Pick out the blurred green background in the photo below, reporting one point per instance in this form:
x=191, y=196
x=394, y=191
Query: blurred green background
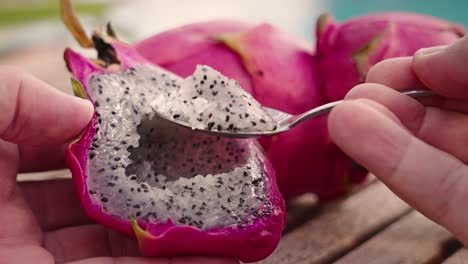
x=29, y=23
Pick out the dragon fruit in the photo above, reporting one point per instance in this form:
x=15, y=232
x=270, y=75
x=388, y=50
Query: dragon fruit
x=176, y=191
x=348, y=50
x=284, y=73
x=280, y=72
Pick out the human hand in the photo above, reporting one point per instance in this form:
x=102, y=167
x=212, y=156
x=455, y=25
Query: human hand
x=418, y=149
x=42, y=222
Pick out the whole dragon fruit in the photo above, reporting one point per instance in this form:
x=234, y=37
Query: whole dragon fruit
x=176, y=191
x=348, y=50
x=280, y=72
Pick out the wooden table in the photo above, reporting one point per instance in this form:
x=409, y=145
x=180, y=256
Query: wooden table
x=371, y=225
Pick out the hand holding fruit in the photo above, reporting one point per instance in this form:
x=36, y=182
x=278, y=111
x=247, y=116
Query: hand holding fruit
x=42, y=222
x=418, y=149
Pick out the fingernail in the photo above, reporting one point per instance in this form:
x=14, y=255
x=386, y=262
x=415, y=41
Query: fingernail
x=430, y=50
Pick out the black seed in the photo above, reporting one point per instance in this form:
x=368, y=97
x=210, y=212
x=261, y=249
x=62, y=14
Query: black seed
x=130, y=147
x=96, y=104
x=137, y=206
x=232, y=188
x=262, y=121
x=253, y=123
x=202, y=189
x=210, y=125
x=256, y=181
x=211, y=86
x=107, y=99
x=117, y=148
x=112, y=125
x=176, y=116
x=219, y=127
x=133, y=178
x=214, y=93
x=194, y=206
x=138, y=213
x=117, y=158
x=199, y=213
x=219, y=195
x=113, y=112
x=202, y=82
x=101, y=170
x=92, y=155
x=227, y=118
x=231, y=126
x=111, y=184
x=229, y=200
x=104, y=199
x=205, y=77
x=245, y=174
x=92, y=191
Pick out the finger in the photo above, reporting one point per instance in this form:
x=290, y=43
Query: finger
x=40, y=158
x=442, y=129
x=32, y=112
x=93, y=242
x=18, y=225
x=398, y=74
x=54, y=203
x=430, y=180
x=19, y=254
x=443, y=69
x=81, y=242
x=178, y=260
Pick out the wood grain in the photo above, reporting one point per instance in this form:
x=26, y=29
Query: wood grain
x=412, y=239
x=340, y=227
x=460, y=257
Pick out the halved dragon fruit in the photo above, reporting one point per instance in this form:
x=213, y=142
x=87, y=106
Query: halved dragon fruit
x=176, y=191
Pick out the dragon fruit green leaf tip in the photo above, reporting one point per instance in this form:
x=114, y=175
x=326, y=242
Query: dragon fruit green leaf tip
x=177, y=192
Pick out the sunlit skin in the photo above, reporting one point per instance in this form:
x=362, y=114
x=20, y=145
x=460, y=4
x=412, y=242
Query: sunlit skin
x=42, y=222
x=419, y=150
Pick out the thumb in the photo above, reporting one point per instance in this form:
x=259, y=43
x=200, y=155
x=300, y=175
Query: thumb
x=443, y=69
x=34, y=113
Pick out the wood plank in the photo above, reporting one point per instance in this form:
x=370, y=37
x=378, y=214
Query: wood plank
x=300, y=210
x=340, y=227
x=305, y=207
x=412, y=239
x=460, y=257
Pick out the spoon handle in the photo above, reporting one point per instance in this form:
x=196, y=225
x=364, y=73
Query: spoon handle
x=323, y=109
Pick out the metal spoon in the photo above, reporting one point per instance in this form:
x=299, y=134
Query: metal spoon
x=284, y=121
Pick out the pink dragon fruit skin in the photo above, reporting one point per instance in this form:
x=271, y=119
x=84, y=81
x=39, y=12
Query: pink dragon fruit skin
x=185, y=47
x=252, y=243
x=280, y=72
x=348, y=50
